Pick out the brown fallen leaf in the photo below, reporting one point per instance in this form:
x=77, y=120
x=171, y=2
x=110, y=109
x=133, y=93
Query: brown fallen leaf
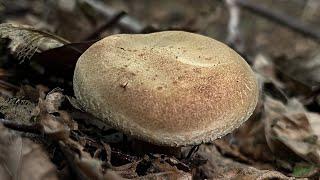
x=53, y=100
x=128, y=170
x=167, y=175
x=250, y=137
x=289, y=132
x=159, y=167
x=16, y=109
x=27, y=92
x=63, y=58
x=230, y=150
x=303, y=69
x=111, y=175
x=20, y=158
x=314, y=120
x=266, y=70
x=83, y=165
x=80, y=162
x=220, y=167
x=26, y=40
x=55, y=123
x=269, y=75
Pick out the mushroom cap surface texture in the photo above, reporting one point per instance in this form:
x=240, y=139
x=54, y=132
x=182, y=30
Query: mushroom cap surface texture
x=170, y=88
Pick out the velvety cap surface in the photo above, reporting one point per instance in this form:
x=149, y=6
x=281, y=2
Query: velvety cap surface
x=170, y=88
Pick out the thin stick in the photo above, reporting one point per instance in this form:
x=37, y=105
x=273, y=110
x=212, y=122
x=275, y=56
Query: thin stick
x=110, y=22
x=33, y=128
x=192, y=151
x=234, y=35
x=280, y=18
x=124, y=22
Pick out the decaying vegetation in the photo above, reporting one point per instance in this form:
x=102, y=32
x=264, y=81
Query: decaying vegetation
x=44, y=133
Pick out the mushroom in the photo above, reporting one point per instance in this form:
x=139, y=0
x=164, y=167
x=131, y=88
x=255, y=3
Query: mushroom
x=170, y=88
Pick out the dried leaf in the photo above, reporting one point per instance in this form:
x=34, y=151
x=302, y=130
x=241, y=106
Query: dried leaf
x=288, y=129
x=26, y=40
x=51, y=124
x=314, y=120
x=16, y=109
x=304, y=70
x=20, y=158
x=111, y=175
x=75, y=103
x=53, y=100
x=55, y=123
x=30, y=93
x=167, y=175
x=10, y=153
x=63, y=58
x=266, y=70
x=231, y=151
x=85, y=166
x=81, y=163
x=219, y=167
x=250, y=137
x=160, y=168
x=266, y=75
x=128, y=170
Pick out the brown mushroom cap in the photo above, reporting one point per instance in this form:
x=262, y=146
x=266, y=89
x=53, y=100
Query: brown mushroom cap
x=169, y=88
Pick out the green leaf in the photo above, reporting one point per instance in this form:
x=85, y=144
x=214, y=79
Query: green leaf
x=303, y=170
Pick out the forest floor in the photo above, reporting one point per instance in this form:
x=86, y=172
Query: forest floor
x=44, y=135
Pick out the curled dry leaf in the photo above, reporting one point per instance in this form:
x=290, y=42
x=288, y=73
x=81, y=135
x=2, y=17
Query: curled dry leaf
x=20, y=158
x=304, y=70
x=267, y=77
x=229, y=150
x=268, y=74
x=219, y=167
x=16, y=109
x=50, y=123
x=27, y=92
x=289, y=130
x=128, y=170
x=266, y=70
x=111, y=175
x=250, y=137
x=167, y=175
x=53, y=100
x=55, y=122
x=159, y=167
x=80, y=162
x=314, y=120
x=26, y=40
x=83, y=165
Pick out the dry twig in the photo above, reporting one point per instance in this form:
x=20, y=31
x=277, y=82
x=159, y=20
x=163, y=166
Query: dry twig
x=281, y=18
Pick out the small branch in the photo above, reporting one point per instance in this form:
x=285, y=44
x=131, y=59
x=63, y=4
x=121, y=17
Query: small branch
x=110, y=22
x=281, y=18
x=34, y=128
x=192, y=151
x=123, y=21
x=9, y=85
x=234, y=37
x=310, y=9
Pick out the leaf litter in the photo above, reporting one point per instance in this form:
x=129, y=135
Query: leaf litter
x=20, y=158
x=280, y=140
x=26, y=40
